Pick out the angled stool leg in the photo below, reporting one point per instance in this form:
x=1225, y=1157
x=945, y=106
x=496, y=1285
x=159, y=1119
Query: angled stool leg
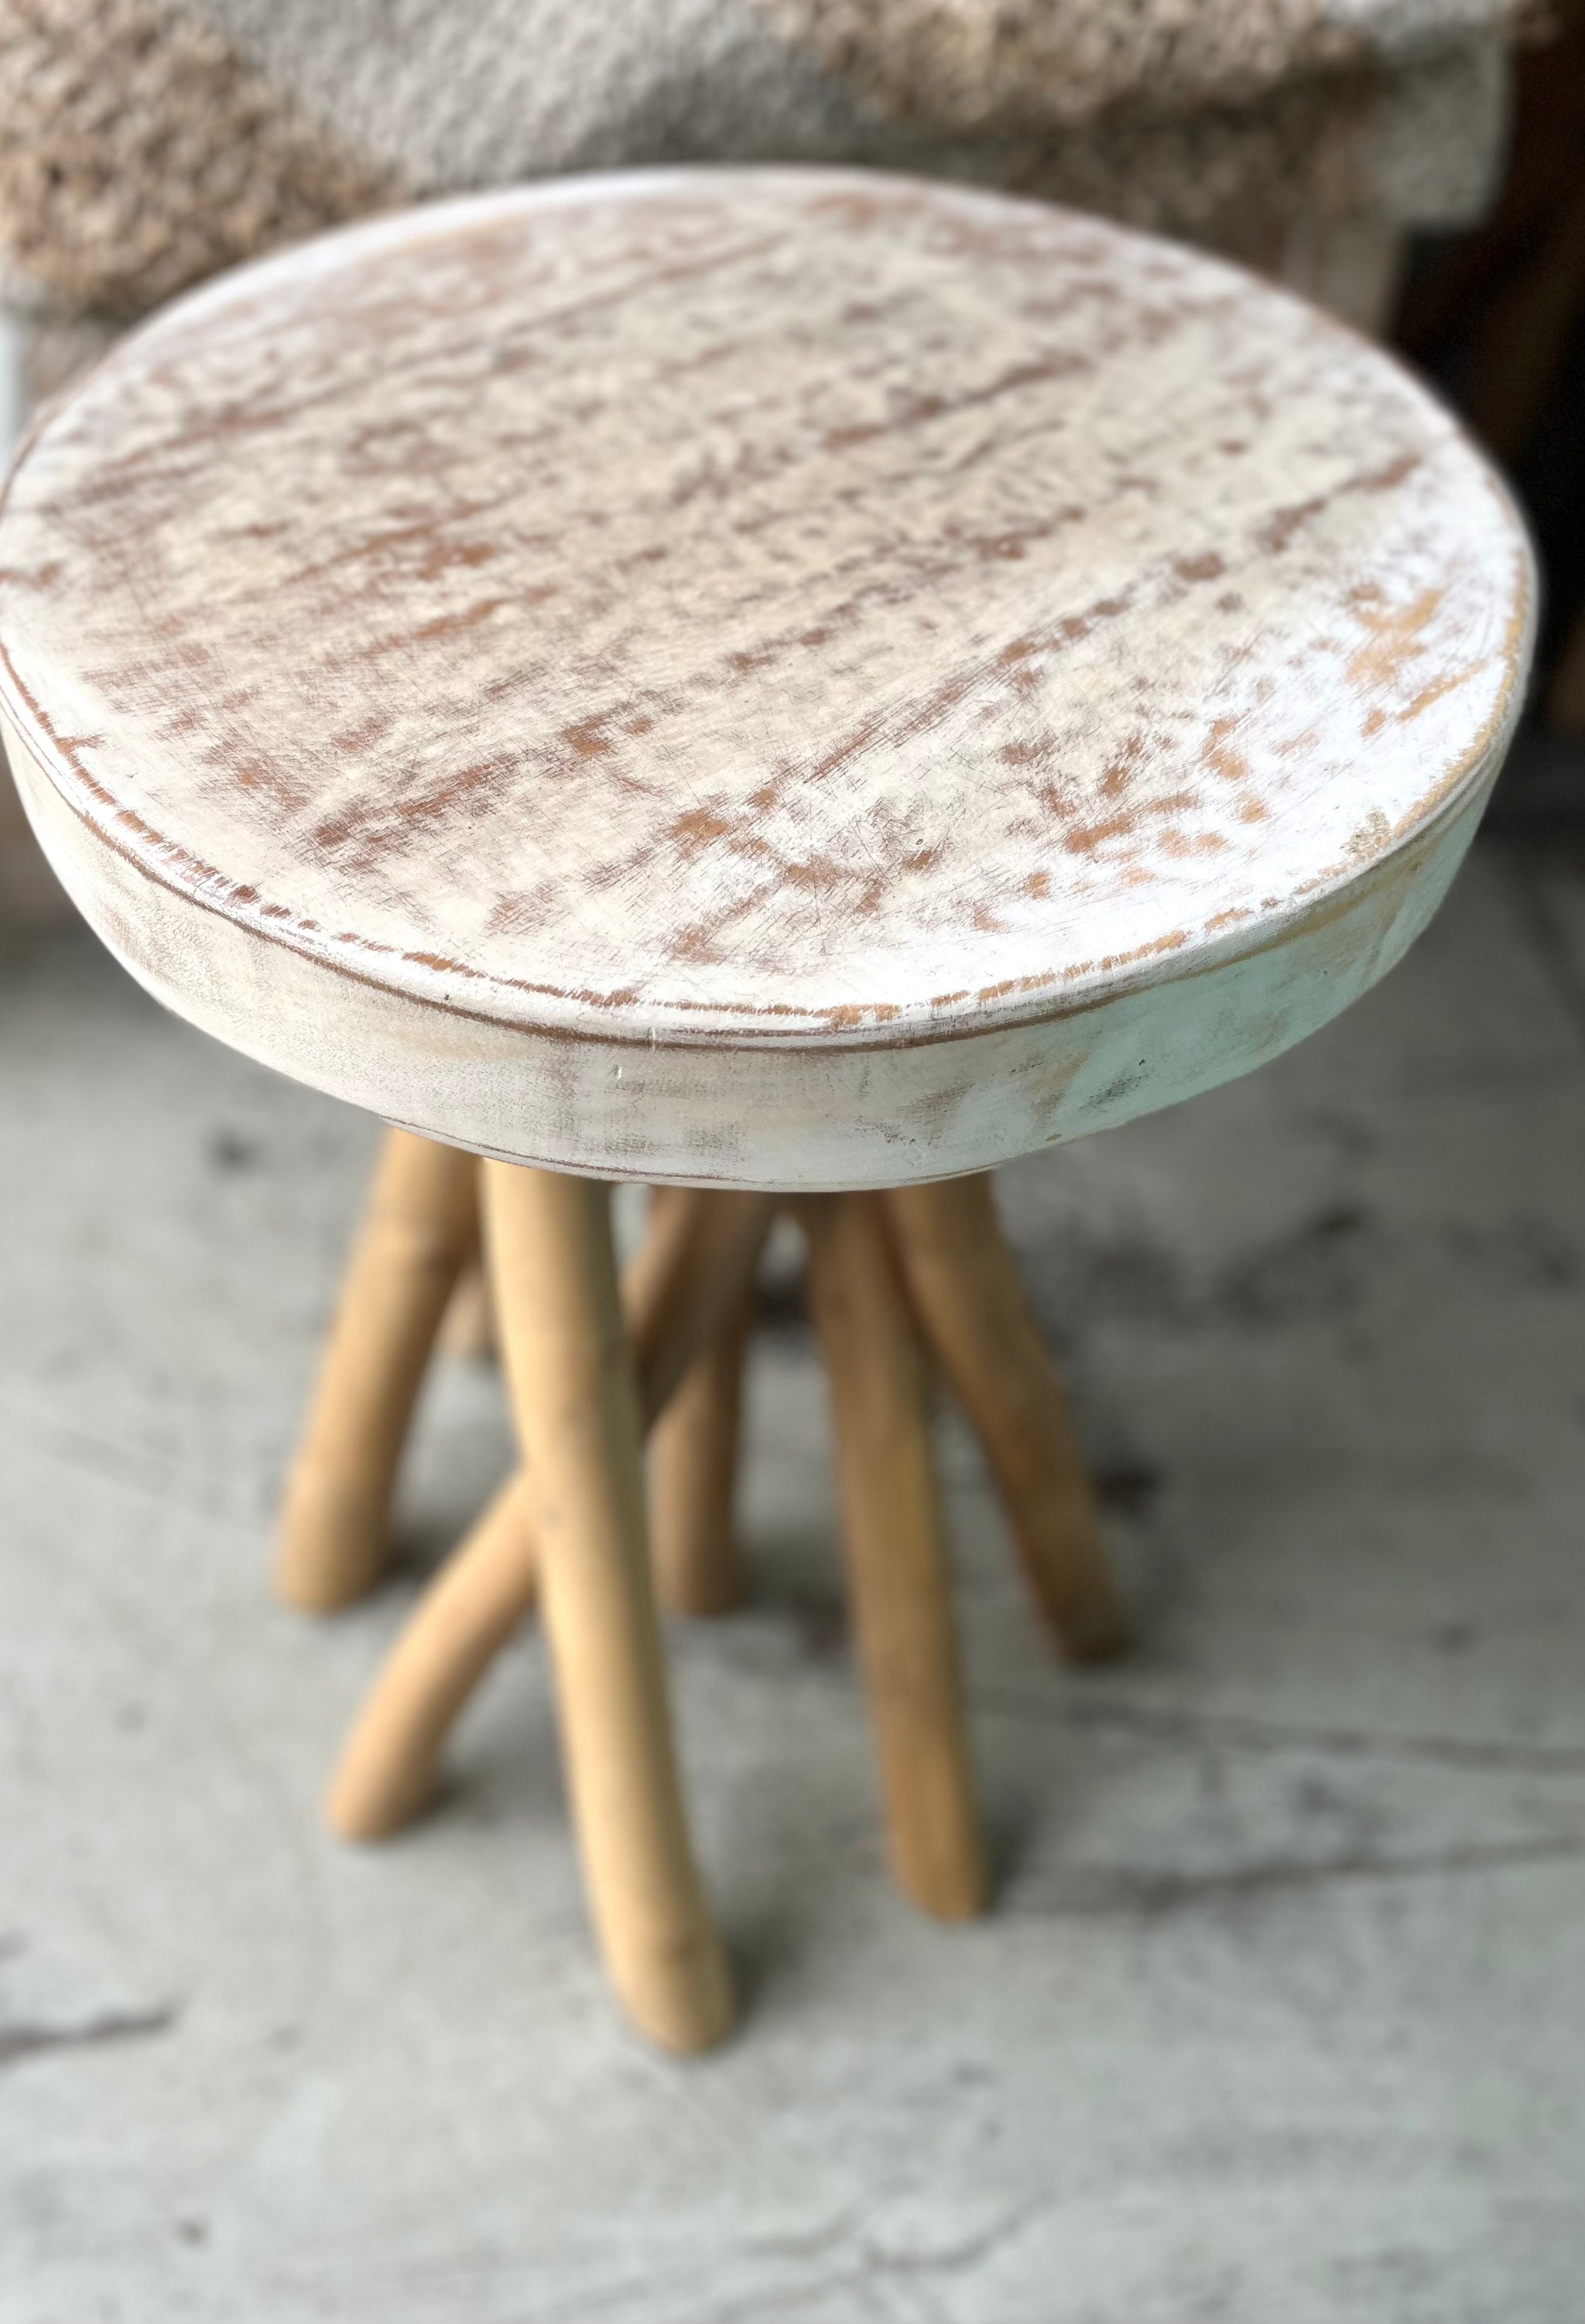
x=895, y=1554
x=414, y=1241
x=693, y=1477
x=962, y=1285
x=387, y=1770
x=695, y=1264
x=573, y=1395
x=468, y=1328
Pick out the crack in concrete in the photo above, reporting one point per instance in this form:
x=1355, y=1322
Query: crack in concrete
x=19, y=2040
x=1222, y=1732
x=1153, y=1896
x=857, y=2264
x=173, y=1484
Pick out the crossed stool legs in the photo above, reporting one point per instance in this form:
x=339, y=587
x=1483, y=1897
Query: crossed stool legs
x=590, y=1366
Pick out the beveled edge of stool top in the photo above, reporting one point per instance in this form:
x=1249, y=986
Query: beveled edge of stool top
x=1103, y=620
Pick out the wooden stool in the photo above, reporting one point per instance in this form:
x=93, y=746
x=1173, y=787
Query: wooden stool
x=775, y=683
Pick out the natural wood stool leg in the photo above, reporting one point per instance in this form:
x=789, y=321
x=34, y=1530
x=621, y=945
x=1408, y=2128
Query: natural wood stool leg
x=387, y=1770
x=695, y=1263
x=420, y=1221
x=468, y=1329
x=962, y=1284
x=693, y=1477
x=569, y=1371
x=691, y=1268
x=895, y=1554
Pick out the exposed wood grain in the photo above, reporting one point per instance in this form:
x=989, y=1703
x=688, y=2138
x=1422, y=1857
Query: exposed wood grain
x=896, y=1553
x=421, y=1223
x=757, y=677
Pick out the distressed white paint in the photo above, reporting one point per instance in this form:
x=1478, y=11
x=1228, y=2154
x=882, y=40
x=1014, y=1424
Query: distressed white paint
x=776, y=677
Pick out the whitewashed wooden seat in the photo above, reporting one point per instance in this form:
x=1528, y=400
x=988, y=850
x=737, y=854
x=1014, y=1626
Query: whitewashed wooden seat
x=754, y=680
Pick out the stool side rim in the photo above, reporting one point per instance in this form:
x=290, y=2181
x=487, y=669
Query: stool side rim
x=780, y=1120
x=1078, y=996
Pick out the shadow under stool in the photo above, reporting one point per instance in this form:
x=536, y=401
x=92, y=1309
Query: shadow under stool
x=792, y=686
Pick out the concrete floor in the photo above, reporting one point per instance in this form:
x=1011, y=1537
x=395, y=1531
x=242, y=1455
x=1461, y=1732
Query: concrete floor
x=1280, y=2016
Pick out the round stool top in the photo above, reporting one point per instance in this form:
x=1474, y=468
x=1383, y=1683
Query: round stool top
x=783, y=676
